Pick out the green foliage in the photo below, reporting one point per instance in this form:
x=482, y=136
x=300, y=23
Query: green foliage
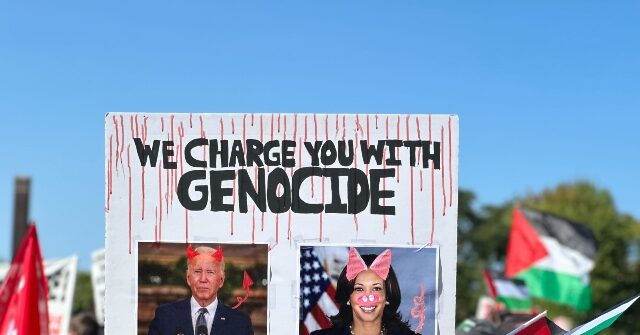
x=483, y=236
x=470, y=261
x=83, y=294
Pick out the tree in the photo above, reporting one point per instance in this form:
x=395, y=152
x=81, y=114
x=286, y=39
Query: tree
x=83, y=294
x=615, y=276
x=470, y=258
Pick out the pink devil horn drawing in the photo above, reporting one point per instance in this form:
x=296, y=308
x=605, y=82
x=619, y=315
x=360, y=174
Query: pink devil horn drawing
x=355, y=264
x=381, y=264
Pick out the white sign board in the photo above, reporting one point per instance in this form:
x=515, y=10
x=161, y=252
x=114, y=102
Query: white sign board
x=98, y=284
x=286, y=180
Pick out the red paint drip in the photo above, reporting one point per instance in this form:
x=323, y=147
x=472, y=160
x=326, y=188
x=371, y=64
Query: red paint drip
x=300, y=153
x=355, y=162
x=450, y=175
x=444, y=192
x=233, y=196
x=142, y=177
x=121, y=139
x=203, y=135
x=315, y=125
x=131, y=125
x=262, y=222
x=419, y=151
x=326, y=126
x=190, y=120
x=109, y=173
x=321, y=213
x=244, y=133
x=162, y=124
x=130, y=216
x=291, y=173
x=279, y=115
x=272, y=117
x=433, y=205
x=413, y=241
x=221, y=129
x=136, y=121
x=344, y=127
x=384, y=166
x=398, y=149
x=172, y=117
x=252, y=115
x=168, y=190
x=313, y=188
x=160, y=199
x=305, y=128
x=368, y=141
x=115, y=123
x=174, y=180
x=261, y=129
x=295, y=135
x=181, y=135
x=186, y=211
x=337, y=129
x=376, y=121
x=233, y=126
x=285, y=126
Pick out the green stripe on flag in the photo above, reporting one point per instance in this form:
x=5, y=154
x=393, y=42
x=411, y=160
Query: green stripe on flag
x=558, y=287
x=601, y=326
x=514, y=304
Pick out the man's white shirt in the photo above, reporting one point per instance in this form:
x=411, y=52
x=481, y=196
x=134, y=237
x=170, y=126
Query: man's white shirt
x=195, y=312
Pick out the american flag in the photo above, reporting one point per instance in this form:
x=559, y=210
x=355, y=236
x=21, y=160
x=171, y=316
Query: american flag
x=316, y=293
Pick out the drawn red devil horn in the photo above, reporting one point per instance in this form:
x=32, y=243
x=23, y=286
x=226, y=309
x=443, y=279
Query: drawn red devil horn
x=191, y=253
x=218, y=254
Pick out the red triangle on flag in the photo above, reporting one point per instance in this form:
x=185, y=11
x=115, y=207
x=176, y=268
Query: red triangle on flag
x=23, y=295
x=538, y=327
x=525, y=246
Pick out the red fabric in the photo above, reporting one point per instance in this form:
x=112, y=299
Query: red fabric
x=525, y=247
x=23, y=296
x=491, y=287
x=537, y=328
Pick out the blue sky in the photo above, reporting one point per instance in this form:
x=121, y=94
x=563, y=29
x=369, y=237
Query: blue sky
x=546, y=91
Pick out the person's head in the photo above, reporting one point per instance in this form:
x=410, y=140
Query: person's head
x=205, y=273
x=368, y=296
x=83, y=324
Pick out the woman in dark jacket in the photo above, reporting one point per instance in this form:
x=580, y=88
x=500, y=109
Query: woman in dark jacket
x=369, y=296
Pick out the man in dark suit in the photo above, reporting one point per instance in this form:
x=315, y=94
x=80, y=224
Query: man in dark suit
x=202, y=312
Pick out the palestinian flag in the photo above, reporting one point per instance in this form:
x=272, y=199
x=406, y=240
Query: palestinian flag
x=513, y=293
x=539, y=325
x=553, y=256
x=605, y=320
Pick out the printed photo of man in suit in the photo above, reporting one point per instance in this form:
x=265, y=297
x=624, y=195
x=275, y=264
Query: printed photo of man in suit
x=203, y=313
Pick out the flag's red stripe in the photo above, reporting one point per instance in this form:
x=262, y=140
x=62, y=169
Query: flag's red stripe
x=320, y=317
x=331, y=292
x=490, y=284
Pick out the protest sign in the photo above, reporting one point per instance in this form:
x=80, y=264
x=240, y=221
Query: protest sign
x=280, y=180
